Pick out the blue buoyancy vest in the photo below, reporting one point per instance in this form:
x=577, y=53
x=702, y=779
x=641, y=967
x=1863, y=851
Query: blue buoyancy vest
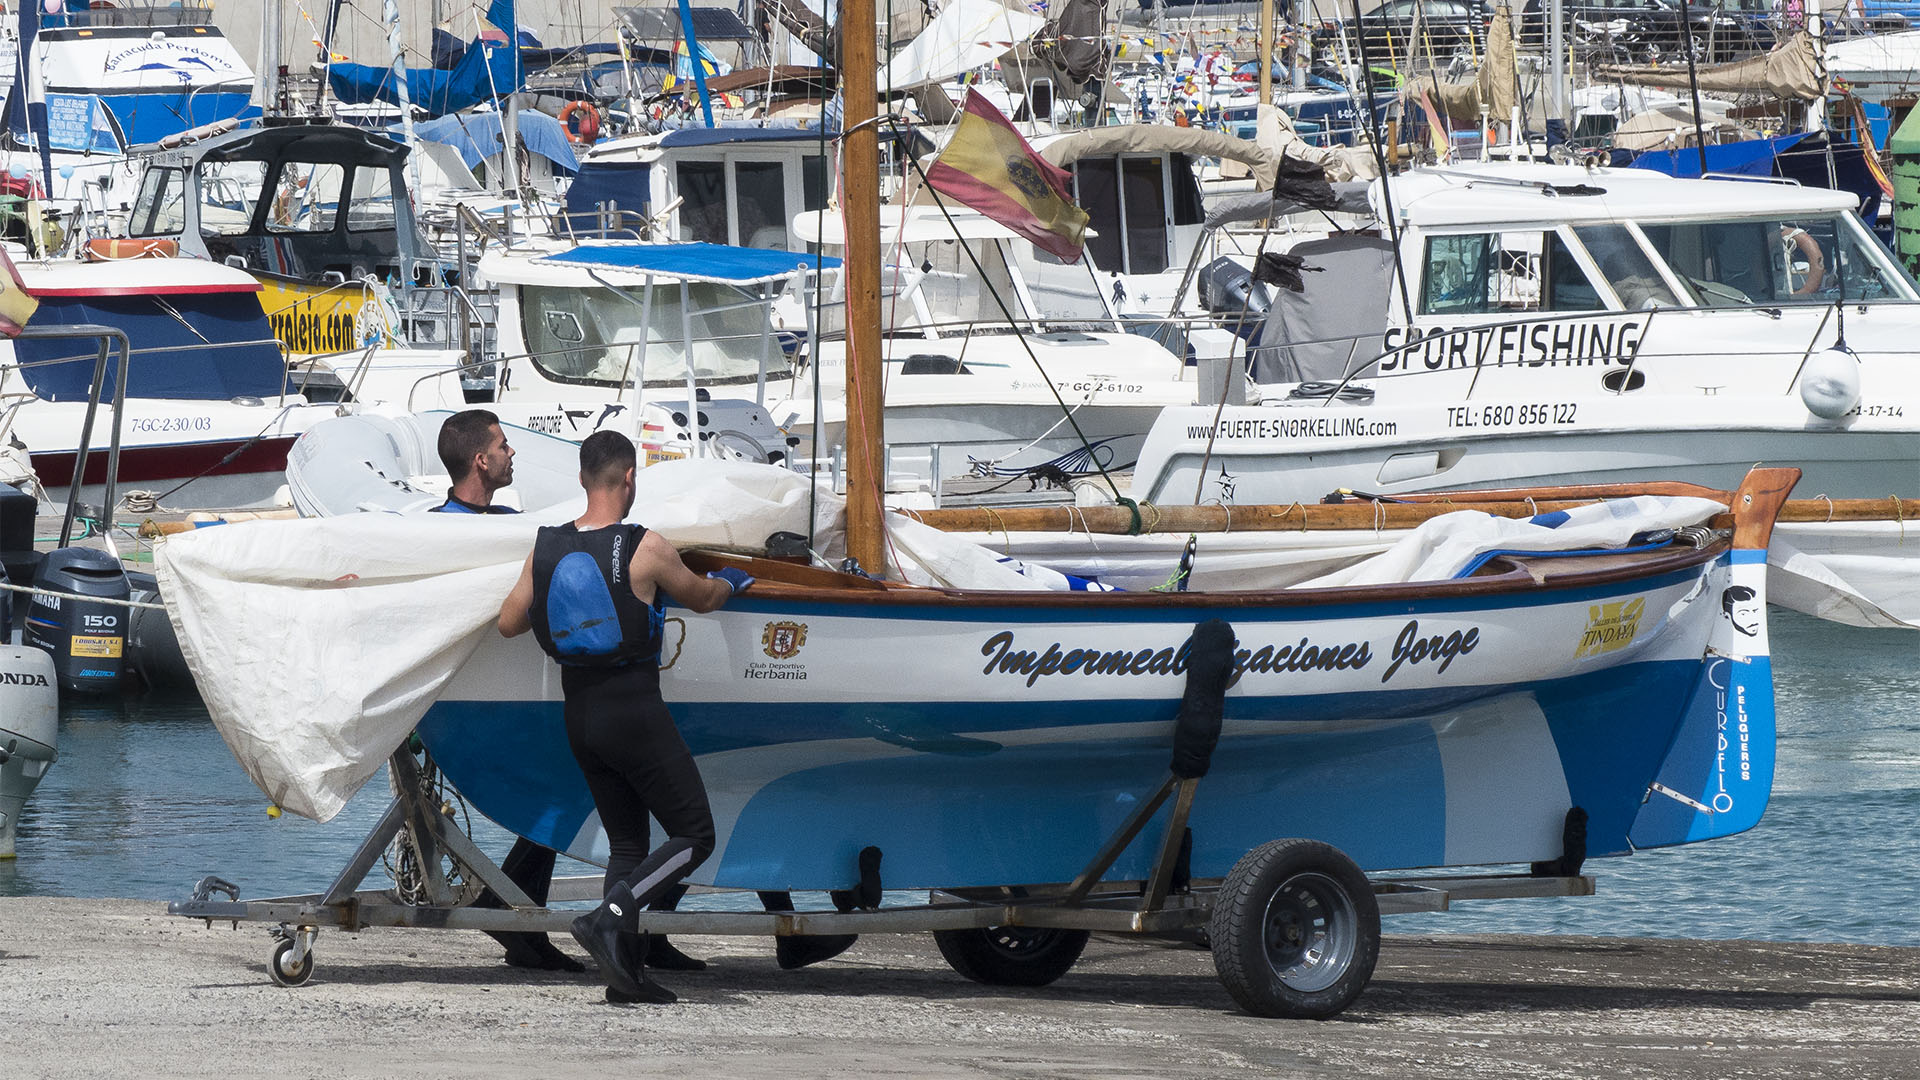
x=584, y=612
x=459, y=506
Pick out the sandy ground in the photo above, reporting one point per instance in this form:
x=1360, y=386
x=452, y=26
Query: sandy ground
x=116, y=988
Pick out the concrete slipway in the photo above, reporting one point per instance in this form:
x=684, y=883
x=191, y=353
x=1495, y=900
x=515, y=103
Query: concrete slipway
x=116, y=988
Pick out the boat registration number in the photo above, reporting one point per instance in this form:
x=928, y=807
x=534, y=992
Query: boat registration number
x=172, y=423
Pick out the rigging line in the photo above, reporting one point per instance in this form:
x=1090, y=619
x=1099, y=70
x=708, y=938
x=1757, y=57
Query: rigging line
x=1008, y=315
x=1380, y=159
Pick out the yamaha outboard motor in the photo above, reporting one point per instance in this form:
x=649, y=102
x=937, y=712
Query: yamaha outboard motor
x=29, y=722
x=87, y=638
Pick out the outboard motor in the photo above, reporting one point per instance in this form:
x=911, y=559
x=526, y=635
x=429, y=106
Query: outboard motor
x=17, y=510
x=29, y=723
x=1228, y=288
x=153, y=650
x=87, y=638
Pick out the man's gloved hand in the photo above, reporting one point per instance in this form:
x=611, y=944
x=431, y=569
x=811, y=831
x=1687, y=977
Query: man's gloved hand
x=736, y=578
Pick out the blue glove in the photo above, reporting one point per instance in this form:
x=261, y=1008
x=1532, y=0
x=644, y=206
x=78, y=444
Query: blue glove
x=736, y=578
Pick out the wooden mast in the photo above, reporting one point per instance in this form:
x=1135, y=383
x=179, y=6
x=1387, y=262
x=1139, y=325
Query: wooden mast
x=860, y=208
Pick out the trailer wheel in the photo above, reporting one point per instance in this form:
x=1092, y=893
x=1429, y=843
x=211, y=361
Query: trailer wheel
x=1295, y=930
x=1012, y=955
x=283, y=970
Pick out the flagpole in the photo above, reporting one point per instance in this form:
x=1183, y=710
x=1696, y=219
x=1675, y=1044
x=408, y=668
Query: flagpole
x=860, y=211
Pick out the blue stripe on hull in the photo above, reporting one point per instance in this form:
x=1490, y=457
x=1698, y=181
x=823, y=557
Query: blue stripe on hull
x=963, y=795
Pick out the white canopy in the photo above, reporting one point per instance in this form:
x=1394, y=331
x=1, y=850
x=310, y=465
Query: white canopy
x=965, y=35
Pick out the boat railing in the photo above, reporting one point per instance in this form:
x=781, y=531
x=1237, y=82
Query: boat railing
x=187, y=13
x=1364, y=361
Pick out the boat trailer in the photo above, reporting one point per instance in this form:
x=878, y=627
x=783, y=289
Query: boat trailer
x=1294, y=927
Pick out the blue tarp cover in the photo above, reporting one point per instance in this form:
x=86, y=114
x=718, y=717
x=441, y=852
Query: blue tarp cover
x=694, y=262
x=1753, y=157
x=622, y=184
x=703, y=136
x=477, y=136
x=169, y=360
x=484, y=71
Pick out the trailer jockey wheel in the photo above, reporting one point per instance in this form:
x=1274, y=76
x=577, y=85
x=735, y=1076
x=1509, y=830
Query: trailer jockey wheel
x=1012, y=955
x=292, y=960
x=1295, y=930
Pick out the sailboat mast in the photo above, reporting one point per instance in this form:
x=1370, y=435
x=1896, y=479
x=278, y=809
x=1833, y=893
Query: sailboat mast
x=860, y=209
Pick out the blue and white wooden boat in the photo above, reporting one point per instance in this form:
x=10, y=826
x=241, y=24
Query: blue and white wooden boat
x=988, y=739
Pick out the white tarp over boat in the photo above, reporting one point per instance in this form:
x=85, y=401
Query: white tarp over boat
x=1860, y=573
x=373, y=614
x=966, y=34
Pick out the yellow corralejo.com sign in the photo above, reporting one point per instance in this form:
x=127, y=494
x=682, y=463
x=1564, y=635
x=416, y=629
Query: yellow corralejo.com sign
x=325, y=318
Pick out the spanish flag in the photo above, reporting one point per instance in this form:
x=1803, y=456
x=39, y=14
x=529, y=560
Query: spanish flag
x=16, y=304
x=989, y=167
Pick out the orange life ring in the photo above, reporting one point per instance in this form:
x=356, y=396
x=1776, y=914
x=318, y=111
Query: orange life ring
x=110, y=249
x=588, y=128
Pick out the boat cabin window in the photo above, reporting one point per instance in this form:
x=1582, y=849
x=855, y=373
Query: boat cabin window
x=760, y=202
x=1491, y=273
x=703, y=201
x=747, y=203
x=229, y=191
x=1131, y=203
x=306, y=197
x=1776, y=261
x=371, y=208
x=1635, y=280
x=595, y=336
x=161, y=207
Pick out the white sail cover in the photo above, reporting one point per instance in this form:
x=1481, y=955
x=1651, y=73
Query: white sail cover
x=372, y=614
x=965, y=35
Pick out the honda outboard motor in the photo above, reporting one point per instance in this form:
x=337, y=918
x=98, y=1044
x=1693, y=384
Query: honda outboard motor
x=87, y=638
x=29, y=723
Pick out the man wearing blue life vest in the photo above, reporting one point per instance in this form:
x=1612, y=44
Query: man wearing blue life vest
x=479, y=462
x=591, y=593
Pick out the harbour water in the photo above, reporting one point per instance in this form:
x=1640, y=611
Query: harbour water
x=146, y=799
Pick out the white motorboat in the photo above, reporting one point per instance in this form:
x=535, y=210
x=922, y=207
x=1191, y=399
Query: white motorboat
x=208, y=411
x=588, y=332
x=1570, y=326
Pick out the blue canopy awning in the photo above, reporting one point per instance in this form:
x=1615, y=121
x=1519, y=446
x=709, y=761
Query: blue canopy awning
x=695, y=262
x=477, y=136
x=1753, y=157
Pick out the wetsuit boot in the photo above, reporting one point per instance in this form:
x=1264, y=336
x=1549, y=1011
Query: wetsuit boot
x=794, y=951
x=604, y=932
x=635, y=949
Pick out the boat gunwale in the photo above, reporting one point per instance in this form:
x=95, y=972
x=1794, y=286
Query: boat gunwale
x=1517, y=580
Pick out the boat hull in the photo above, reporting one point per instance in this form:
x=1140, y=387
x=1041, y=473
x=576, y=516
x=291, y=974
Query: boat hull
x=972, y=745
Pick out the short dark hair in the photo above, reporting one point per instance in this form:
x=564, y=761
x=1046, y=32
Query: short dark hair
x=1734, y=595
x=605, y=456
x=462, y=436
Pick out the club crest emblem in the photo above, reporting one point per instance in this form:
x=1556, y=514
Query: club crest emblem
x=782, y=640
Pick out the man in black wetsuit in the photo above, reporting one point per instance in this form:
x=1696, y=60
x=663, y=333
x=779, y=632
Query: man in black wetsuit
x=479, y=462
x=591, y=593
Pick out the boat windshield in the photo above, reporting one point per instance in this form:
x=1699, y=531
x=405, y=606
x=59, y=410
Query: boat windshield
x=593, y=336
x=1815, y=259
